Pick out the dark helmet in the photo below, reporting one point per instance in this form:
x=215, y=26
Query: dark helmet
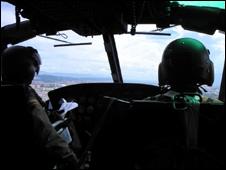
x=185, y=62
x=19, y=64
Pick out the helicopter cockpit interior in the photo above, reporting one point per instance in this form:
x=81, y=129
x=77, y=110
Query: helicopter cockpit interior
x=113, y=127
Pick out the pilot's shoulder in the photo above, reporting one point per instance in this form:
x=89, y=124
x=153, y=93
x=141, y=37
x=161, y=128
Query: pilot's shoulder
x=32, y=99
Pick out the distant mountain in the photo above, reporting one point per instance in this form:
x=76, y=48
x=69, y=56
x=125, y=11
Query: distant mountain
x=52, y=78
x=72, y=75
x=63, y=77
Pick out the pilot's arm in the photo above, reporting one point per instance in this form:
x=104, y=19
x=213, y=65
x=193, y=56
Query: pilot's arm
x=55, y=147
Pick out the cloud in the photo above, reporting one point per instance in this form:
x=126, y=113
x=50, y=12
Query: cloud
x=137, y=58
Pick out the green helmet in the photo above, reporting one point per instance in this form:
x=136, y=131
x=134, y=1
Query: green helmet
x=19, y=64
x=186, y=62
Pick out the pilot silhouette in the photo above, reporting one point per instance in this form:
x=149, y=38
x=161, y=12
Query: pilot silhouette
x=184, y=68
x=19, y=66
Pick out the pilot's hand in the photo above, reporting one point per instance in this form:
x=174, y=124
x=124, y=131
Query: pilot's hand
x=54, y=116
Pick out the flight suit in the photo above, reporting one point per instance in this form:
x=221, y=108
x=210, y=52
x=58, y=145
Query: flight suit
x=45, y=137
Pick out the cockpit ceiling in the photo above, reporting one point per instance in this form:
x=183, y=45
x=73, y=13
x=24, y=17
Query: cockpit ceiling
x=89, y=17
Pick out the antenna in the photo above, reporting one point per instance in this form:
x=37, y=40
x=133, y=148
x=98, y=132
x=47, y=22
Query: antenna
x=54, y=39
x=68, y=43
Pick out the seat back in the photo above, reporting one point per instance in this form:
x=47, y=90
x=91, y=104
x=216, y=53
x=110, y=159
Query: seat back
x=20, y=150
x=211, y=129
x=159, y=126
x=16, y=133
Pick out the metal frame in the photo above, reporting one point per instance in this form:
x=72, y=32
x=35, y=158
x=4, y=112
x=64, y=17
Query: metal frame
x=222, y=88
x=111, y=50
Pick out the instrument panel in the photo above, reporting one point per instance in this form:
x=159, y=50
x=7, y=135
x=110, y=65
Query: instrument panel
x=92, y=102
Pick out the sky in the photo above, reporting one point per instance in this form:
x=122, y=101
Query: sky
x=139, y=55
